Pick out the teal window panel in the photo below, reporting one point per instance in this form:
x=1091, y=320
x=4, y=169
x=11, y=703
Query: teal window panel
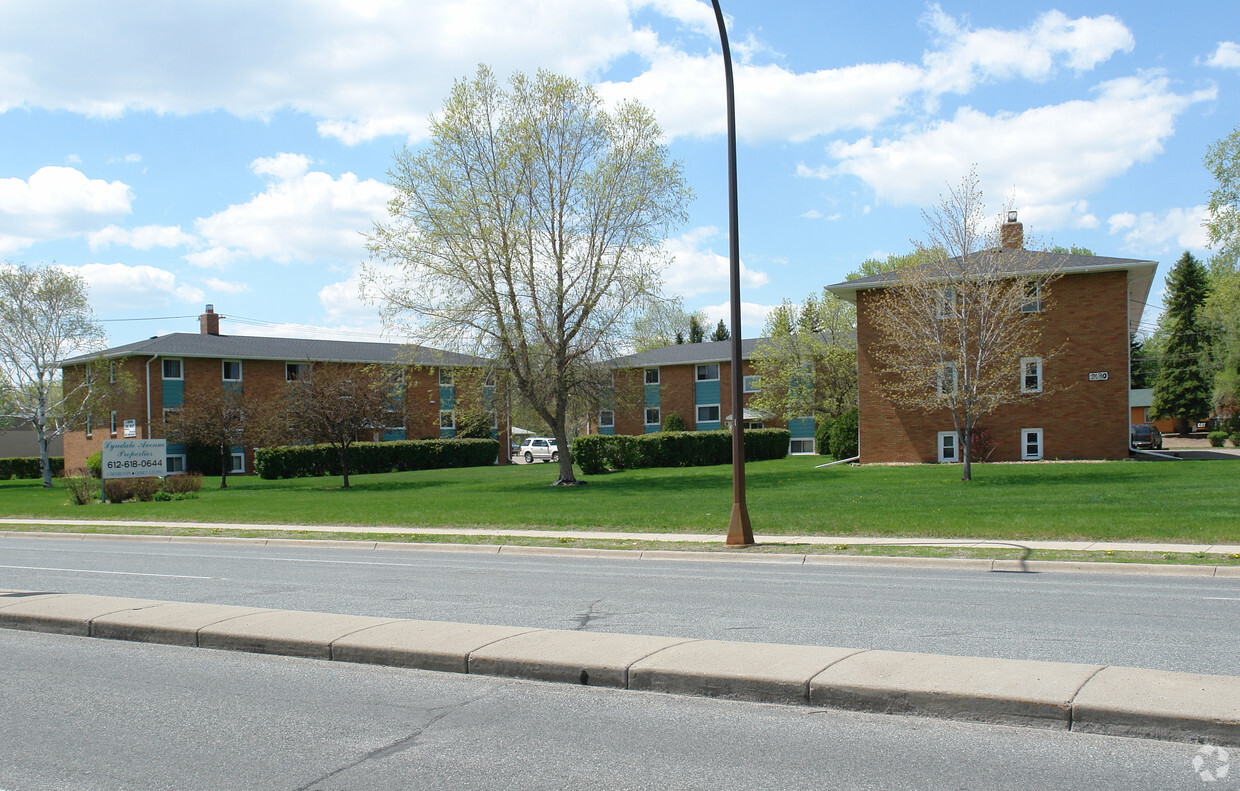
x=488, y=398
x=801, y=427
x=652, y=429
x=712, y=426
x=652, y=395
x=447, y=397
x=231, y=387
x=176, y=449
x=447, y=433
x=174, y=393
x=706, y=393
x=608, y=430
x=393, y=434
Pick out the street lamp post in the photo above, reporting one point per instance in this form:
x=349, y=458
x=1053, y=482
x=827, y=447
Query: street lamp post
x=739, y=531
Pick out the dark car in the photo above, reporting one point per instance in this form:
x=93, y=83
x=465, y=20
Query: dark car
x=1144, y=435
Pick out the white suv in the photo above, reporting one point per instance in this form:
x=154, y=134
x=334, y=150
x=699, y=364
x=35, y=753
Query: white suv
x=539, y=448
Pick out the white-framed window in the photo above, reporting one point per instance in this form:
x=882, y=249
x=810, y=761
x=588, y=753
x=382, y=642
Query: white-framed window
x=232, y=370
x=174, y=465
x=606, y=418
x=447, y=418
x=1033, y=298
x=90, y=429
x=654, y=416
x=708, y=413
x=238, y=463
x=113, y=428
x=112, y=372
x=947, y=379
x=172, y=368
x=708, y=373
x=170, y=412
x=1146, y=415
x=652, y=376
x=447, y=377
x=1030, y=444
x=751, y=384
x=494, y=420
x=296, y=371
x=945, y=303
x=949, y=447
x=1031, y=374
x=801, y=446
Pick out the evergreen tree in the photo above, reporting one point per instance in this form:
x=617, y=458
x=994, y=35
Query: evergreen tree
x=1183, y=389
x=721, y=333
x=697, y=330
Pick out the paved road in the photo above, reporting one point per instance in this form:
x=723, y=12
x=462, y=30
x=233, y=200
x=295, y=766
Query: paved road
x=93, y=714
x=1172, y=623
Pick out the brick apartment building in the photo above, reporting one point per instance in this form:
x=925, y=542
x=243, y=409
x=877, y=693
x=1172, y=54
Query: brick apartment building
x=163, y=366
x=1093, y=308
x=693, y=381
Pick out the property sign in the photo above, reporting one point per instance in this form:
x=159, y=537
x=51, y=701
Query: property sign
x=134, y=458
x=131, y=428
x=1099, y=376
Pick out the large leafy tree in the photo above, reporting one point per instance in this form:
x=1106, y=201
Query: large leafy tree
x=1183, y=388
x=1222, y=306
x=529, y=230
x=45, y=318
x=222, y=418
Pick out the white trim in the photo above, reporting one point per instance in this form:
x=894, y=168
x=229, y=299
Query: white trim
x=646, y=376
x=302, y=370
x=658, y=411
x=791, y=447
x=698, y=413
x=113, y=423
x=751, y=383
x=224, y=370
x=942, y=376
x=238, y=468
x=1024, y=387
x=1034, y=305
x=955, y=447
x=451, y=413
x=697, y=377
x=168, y=466
x=945, y=303
x=163, y=368
x=1025, y=435
x=611, y=423
x=450, y=374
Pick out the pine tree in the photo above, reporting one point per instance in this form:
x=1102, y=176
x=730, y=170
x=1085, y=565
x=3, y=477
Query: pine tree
x=1182, y=390
x=721, y=333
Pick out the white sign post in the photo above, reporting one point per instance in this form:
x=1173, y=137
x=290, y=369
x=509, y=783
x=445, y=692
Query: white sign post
x=134, y=458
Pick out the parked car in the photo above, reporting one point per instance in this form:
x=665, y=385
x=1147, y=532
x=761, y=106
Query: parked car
x=1144, y=435
x=543, y=448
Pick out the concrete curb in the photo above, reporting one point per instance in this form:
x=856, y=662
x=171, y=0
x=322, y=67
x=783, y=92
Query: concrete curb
x=1109, y=700
x=734, y=556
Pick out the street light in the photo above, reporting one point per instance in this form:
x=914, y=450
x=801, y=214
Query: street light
x=739, y=531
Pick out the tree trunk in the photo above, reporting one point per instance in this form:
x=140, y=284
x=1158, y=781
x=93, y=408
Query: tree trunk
x=225, y=464
x=344, y=464
x=45, y=463
x=966, y=450
x=566, y=457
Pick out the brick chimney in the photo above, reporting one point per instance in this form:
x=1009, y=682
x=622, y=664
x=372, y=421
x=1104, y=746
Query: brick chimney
x=209, y=322
x=1012, y=233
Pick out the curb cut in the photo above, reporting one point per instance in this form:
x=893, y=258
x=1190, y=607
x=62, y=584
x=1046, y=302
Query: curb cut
x=1089, y=698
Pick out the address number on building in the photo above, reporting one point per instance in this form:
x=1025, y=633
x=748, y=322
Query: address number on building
x=1099, y=376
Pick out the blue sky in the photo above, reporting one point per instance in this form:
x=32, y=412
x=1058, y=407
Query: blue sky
x=234, y=153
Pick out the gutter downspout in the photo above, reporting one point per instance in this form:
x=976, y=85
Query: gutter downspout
x=148, y=394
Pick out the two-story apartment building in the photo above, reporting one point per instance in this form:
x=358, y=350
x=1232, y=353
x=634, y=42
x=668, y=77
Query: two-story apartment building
x=163, y=367
x=1091, y=310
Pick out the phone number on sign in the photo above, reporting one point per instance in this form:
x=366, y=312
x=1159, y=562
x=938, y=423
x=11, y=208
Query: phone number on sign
x=133, y=464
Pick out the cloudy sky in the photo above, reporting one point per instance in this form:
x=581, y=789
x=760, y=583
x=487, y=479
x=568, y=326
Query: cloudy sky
x=235, y=152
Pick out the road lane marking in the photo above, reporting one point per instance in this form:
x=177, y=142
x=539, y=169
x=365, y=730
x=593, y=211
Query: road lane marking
x=97, y=571
x=1222, y=598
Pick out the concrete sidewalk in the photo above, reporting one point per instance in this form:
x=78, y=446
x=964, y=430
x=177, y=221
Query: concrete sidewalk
x=1088, y=698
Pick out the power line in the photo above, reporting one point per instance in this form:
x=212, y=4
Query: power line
x=148, y=318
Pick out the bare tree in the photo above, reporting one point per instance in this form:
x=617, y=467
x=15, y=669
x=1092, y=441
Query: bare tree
x=953, y=329
x=339, y=404
x=529, y=231
x=45, y=318
x=222, y=418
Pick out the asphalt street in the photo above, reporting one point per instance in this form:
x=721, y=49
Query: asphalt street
x=1173, y=623
x=104, y=715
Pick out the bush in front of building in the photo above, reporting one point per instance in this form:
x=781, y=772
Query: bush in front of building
x=673, y=422
x=843, y=435
x=1235, y=440
x=1217, y=438
x=81, y=489
x=94, y=464
x=300, y=461
x=29, y=467
x=598, y=453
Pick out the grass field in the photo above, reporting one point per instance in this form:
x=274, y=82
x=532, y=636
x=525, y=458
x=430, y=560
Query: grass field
x=1190, y=501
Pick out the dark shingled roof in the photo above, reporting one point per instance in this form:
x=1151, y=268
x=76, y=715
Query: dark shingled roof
x=249, y=347
x=687, y=354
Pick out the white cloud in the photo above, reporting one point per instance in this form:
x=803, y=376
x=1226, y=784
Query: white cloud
x=144, y=237
x=343, y=301
x=120, y=287
x=56, y=202
x=1046, y=157
x=753, y=316
x=1169, y=231
x=304, y=216
x=225, y=286
x=1225, y=56
x=356, y=332
x=698, y=269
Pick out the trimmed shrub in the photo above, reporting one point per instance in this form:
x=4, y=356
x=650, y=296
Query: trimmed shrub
x=1235, y=440
x=145, y=488
x=1217, y=438
x=94, y=463
x=673, y=422
x=30, y=467
x=81, y=488
x=822, y=436
x=844, y=441
x=299, y=461
x=178, y=484
x=118, y=490
x=598, y=453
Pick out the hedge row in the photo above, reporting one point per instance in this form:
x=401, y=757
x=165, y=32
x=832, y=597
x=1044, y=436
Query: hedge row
x=598, y=453
x=29, y=467
x=299, y=461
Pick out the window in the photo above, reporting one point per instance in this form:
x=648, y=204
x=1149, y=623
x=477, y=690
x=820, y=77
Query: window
x=232, y=370
x=708, y=413
x=652, y=376
x=945, y=303
x=1030, y=444
x=751, y=384
x=947, y=447
x=606, y=418
x=174, y=465
x=172, y=368
x=801, y=446
x=294, y=372
x=1031, y=374
x=654, y=417
x=708, y=373
x=1033, y=298
x=1146, y=415
x=238, y=463
x=947, y=379
x=494, y=420
x=170, y=414
x=89, y=427
x=446, y=378
x=113, y=429
x=447, y=418
x=112, y=373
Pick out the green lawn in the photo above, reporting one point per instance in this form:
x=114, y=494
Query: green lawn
x=1190, y=501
